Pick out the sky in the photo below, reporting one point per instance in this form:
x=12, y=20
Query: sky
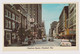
x=50, y=13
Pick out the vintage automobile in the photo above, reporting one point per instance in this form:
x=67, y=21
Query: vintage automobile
x=43, y=39
x=65, y=42
x=73, y=42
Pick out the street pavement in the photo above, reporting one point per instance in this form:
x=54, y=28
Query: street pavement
x=39, y=42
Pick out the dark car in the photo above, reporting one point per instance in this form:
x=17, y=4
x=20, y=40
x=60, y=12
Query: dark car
x=73, y=42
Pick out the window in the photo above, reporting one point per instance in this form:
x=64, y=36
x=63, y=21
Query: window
x=9, y=14
x=9, y=24
x=16, y=18
x=13, y=25
x=6, y=23
x=13, y=16
x=6, y=13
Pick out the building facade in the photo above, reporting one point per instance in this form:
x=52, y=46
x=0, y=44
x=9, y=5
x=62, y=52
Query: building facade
x=52, y=29
x=43, y=30
x=14, y=18
x=11, y=22
x=34, y=18
x=67, y=22
x=54, y=33
x=72, y=20
x=63, y=19
x=57, y=29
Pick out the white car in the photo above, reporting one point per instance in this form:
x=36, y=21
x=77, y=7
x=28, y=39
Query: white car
x=65, y=42
x=44, y=39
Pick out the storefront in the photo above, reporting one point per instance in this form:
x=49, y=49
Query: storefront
x=70, y=34
x=14, y=38
x=7, y=37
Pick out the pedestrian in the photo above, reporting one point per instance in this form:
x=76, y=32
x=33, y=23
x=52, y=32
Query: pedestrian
x=34, y=41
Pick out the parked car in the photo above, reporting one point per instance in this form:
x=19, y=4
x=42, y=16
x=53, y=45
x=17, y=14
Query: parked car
x=43, y=39
x=48, y=39
x=73, y=42
x=51, y=39
x=65, y=42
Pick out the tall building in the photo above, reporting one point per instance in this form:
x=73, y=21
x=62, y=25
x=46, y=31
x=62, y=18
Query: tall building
x=14, y=18
x=34, y=17
x=63, y=19
x=67, y=22
x=21, y=16
x=39, y=14
x=72, y=20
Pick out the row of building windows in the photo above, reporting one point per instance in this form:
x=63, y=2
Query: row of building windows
x=8, y=24
x=10, y=15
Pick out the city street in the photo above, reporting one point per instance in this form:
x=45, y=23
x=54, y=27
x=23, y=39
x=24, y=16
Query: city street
x=27, y=26
x=39, y=42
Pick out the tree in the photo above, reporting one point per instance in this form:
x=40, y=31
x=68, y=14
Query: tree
x=28, y=32
x=39, y=33
x=21, y=34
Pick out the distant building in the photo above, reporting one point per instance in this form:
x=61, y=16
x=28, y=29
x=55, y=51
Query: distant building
x=54, y=33
x=50, y=32
x=43, y=30
x=53, y=26
x=57, y=29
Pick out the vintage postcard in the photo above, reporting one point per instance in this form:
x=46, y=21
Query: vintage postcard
x=40, y=26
